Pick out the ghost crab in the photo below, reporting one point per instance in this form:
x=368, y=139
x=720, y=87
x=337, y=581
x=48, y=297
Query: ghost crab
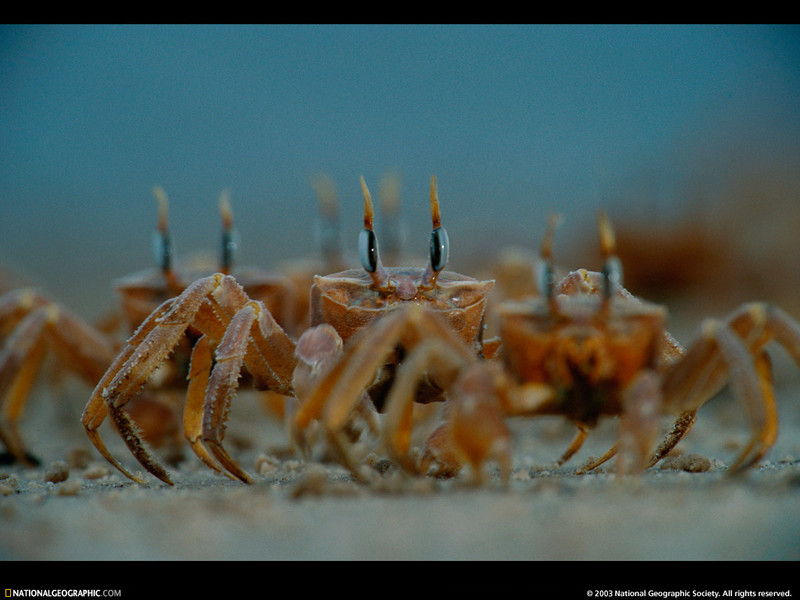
x=375, y=313
x=237, y=332
x=33, y=324
x=586, y=349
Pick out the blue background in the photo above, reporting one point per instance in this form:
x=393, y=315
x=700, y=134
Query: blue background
x=515, y=121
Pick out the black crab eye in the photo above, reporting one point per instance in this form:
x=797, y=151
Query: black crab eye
x=368, y=250
x=612, y=266
x=544, y=272
x=440, y=248
x=545, y=278
x=612, y=275
x=230, y=244
x=162, y=250
x=162, y=244
x=230, y=238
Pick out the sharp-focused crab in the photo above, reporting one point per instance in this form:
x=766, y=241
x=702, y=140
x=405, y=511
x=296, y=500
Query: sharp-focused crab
x=237, y=331
x=585, y=348
x=377, y=313
x=33, y=324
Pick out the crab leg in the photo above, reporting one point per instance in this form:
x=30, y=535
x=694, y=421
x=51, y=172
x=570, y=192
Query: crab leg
x=337, y=395
x=576, y=444
x=222, y=386
x=80, y=347
x=253, y=338
x=755, y=325
x=19, y=363
x=434, y=356
x=146, y=350
x=638, y=426
x=334, y=399
x=16, y=305
x=478, y=430
x=474, y=431
x=193, y=409
x=96, y=411
x=726, y=356
x=760, y=443
x=737, y=355
x=728, y=351
x=97, y=408
x=683, y=423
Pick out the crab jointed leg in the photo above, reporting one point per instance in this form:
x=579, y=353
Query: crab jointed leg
x=732, y=351
x=211, y=305
x=253, y=338
x=729, y=351
x=39, y=323
x=379, y=314
x=230, y=334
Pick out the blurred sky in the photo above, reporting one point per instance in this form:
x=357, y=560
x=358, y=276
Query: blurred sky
x=515, y=121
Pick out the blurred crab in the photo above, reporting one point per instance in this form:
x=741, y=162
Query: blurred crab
x=586, y=348
x=239, y=332
x=33, y=324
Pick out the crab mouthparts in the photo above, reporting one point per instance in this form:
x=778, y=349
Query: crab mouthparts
x=406, y=289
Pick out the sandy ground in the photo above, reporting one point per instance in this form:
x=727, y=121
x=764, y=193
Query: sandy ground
x=77, y=507
x=314, y=511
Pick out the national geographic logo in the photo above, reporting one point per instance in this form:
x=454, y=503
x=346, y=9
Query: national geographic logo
x=62, y=593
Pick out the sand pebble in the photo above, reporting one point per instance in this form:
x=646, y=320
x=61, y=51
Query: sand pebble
x=95, y=471
x=267, y=464
x=57, y=472
x=692, y=463
x=69, y=488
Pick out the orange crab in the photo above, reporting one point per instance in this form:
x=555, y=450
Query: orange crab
x=586, y=348
x=357, y=302
x=239, y=332
x=34, y=324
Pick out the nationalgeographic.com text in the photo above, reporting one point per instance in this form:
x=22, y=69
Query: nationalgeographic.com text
x=63, y=593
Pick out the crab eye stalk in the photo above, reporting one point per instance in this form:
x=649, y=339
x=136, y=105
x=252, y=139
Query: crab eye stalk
x=329, y=232
x=162, y=244
x=545, y=274
x=612, y=276
x=368, y=245
x=439, y=251
x=545, y=278
x=229, y=237
x=612, y=266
